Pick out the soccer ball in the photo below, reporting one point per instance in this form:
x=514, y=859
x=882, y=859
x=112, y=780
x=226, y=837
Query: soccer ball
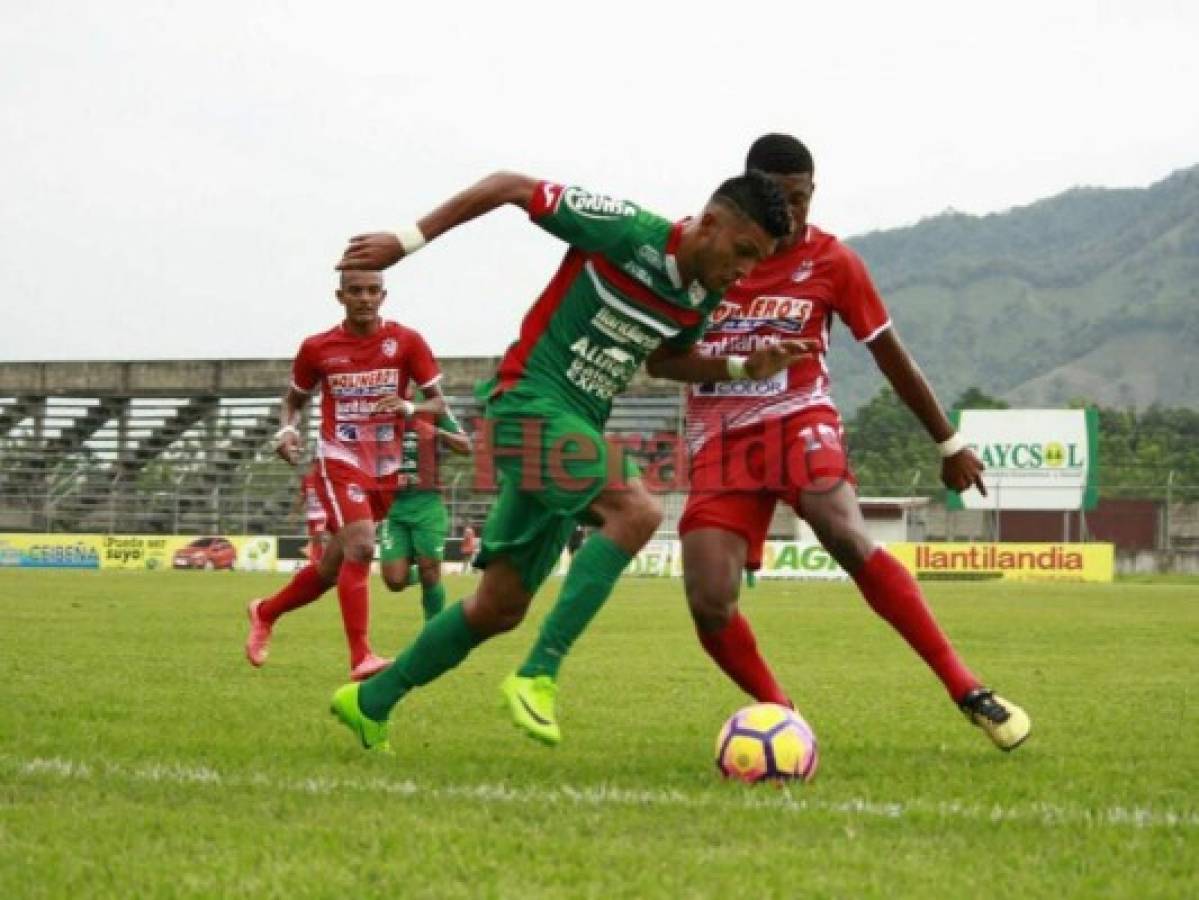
x=767, y=742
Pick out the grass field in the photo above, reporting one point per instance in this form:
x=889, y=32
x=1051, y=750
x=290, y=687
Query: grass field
x=141, y=756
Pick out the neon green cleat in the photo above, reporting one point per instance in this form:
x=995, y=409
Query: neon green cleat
x=531, y=702
x=1006, y=724
x=372, y=734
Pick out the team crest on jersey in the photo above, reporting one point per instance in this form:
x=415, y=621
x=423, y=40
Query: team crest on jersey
x=697, y=293
x=355, y=493
x=347, y=432
x=803, y=273
x=389, y=347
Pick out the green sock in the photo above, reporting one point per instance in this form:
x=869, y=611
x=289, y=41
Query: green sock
x=593, y=573
x=444, y=642
x=414, y=574
x=432, y=599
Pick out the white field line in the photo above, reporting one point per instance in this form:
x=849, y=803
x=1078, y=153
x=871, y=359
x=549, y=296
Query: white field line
x=1047, y=814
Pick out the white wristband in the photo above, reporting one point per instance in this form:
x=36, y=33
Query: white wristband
x=286, y=429
x=952, y=445
x=407, y=408
x=736, y=367
x=411, y=238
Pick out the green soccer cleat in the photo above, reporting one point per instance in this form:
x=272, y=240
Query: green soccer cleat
x=531, y=702
x=372, y=734
x=1006, y=724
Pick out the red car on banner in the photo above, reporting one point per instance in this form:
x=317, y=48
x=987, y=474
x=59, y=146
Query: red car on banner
x=206, y=553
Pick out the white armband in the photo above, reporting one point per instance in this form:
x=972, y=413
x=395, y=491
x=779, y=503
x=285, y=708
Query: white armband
x=951, y=446
x=411, y=238
x=736, y=367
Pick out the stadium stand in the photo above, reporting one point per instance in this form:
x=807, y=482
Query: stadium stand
x=184, y=446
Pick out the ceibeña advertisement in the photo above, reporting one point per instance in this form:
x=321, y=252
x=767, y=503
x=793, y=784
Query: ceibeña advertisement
x=50, y=551
x=253, y=553
x=1035, y=458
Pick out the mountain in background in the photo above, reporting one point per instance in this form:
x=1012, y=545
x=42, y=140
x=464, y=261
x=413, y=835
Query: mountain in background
x=1092, y=294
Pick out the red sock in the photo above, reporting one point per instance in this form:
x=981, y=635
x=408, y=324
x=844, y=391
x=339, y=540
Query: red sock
x=353, y=593
x=305, y=586
x=892, y=592
x=735, y=650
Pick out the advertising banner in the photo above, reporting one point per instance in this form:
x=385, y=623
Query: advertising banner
x=1012, y=562
x=132, y=551
x=780, y=559
x=50, y=551
x=1035, y=458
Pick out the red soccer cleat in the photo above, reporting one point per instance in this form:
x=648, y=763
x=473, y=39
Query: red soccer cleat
x=368, y=666
x=259, y=639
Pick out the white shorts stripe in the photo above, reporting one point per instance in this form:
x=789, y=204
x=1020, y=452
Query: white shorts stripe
x=338, y=518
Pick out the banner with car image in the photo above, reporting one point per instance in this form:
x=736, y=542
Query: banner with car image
x=154, y=552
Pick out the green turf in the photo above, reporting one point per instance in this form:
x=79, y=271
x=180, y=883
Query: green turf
x=141, y=756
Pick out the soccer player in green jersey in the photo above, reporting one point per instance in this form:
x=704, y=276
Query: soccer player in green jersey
x=417, y=522
x=632, y=284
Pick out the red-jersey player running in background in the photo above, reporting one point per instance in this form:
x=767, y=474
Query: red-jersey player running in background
x=363, y=368
x=315, y=518
x=783, y=440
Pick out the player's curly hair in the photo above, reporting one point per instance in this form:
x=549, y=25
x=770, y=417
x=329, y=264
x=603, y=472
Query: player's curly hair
x=759, y=199
x=779, y=154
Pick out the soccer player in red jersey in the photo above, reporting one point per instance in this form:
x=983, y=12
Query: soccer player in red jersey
x=754, y=443
x=314, y=514
x=363, y=368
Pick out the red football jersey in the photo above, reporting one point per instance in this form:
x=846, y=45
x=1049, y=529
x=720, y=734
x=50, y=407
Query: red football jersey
x=354, y=373
x=790, y=295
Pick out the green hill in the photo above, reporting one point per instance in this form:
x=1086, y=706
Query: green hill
x=1093, y=293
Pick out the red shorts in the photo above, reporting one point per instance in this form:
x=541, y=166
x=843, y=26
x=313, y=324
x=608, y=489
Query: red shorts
x=317, y=534
x=738, y=478
x=350, y=496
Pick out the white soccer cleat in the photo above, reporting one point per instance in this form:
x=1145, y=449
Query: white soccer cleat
x=1006, y=724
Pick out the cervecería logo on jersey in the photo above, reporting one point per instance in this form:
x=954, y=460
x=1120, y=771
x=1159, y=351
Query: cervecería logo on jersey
x=597, y=206
x=358, y=384
x=782, y=313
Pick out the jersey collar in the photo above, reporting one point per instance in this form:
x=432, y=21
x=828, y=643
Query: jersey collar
x=696, y=292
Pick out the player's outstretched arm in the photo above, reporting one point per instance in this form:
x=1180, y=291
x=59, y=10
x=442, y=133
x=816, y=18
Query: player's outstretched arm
x=381, y=249
x=288, y=445
x=961, y=468
x=691, y=367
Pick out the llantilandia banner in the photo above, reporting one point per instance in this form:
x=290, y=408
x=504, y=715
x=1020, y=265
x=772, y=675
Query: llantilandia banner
x=1013, y=562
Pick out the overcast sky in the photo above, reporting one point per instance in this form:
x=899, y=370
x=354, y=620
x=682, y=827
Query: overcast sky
x=178, y=181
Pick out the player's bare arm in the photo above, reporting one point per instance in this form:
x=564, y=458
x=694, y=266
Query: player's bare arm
x=454, y=441
x=434, y=403
x=963, y=469
x=381, y=249
x=692, y=367
x=288, y=446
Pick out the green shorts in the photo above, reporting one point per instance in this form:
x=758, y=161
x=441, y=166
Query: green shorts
x=557, y=462
x=416, y=526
